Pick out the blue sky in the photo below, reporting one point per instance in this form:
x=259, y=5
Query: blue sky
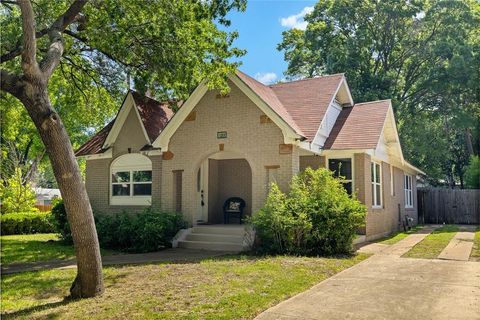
x=260, y=30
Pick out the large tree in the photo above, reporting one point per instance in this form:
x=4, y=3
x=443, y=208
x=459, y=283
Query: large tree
x=166, y=47
x=423, y=54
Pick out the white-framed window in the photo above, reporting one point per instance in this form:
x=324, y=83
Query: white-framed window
x=342, y=168
x=407, y=186
x=131, y=180
x=376, y=185
x=392, y=181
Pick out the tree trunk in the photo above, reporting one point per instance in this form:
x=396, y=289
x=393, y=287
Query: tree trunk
x=89, y=280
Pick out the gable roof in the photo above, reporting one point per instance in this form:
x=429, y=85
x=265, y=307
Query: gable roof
x=359, y=127
x=307, y=100
x=154, y=116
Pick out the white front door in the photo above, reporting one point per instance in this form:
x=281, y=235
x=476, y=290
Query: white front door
x=202, y=192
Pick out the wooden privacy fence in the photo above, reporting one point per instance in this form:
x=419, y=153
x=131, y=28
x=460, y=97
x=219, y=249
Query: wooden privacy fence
x=458, y=206
x=46, y=207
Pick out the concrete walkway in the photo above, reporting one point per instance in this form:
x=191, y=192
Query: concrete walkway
x=174, y=255
x=386, y=286
x=459, y=248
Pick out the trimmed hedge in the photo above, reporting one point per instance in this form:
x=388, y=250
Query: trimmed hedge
x=27, y=222
x=150, y=230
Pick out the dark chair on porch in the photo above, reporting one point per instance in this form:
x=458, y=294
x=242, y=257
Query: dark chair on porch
x=233, y=207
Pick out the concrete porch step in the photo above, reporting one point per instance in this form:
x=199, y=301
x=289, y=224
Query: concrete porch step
x=234, y=230
x=214, y=246
x=214, y=237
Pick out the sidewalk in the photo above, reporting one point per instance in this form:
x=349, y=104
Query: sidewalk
x=386, y=286
x=173, y=255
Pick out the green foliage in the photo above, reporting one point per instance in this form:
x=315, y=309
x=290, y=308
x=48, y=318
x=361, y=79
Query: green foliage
x=424, y=55
x=150, y=230
x=17, y=195
x=316, y=217
x=27, y=223
x=147, y=231
x=61, y=223
x=472, y=173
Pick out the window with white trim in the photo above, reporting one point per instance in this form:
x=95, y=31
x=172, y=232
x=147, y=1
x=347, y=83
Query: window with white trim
x=131, y=180
x=392, y=181
x=408, y=191
x=342, y=168
x=376, y=185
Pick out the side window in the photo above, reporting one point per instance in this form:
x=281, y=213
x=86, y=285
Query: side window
x=342, y=168
x=408, y=191
x=376, y=185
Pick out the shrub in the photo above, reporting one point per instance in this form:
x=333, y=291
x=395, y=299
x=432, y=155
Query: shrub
x=17, y=196
x=472, y=173
x=149, y=230
x=316, y=217
x=27, y=222
x=61, y=223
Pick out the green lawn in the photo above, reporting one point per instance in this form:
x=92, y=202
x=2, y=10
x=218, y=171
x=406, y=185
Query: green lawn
x=433, y=244
x=475, y=254
x=235, y=287
x=394, y=238
x=35, y=247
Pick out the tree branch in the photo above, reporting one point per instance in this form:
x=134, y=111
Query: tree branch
x=62, y=22
x=29, y=62
x=55, y=51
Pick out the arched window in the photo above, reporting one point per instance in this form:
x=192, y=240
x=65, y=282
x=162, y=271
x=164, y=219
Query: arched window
x=131, y=180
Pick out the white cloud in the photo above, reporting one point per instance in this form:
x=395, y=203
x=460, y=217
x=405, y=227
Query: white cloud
x=266, y=77
x=296, y=21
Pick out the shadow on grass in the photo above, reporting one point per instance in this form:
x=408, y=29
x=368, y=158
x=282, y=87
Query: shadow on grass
x=28, y=311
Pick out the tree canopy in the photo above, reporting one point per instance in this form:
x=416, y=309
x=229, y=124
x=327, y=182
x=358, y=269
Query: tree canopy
x=424, y=55
x=165, y=47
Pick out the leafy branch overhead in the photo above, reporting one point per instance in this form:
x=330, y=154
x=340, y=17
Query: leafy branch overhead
x=167, y=46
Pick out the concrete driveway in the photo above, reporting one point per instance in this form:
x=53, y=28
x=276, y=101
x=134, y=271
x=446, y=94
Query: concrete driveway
x=386, y=286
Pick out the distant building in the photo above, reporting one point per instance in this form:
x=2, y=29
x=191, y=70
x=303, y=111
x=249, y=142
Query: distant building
x=45, y=196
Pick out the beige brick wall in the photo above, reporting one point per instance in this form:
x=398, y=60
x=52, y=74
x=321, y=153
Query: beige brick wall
x=314, y=162
x=381, y=222
x=247, y=138
x=97, y=177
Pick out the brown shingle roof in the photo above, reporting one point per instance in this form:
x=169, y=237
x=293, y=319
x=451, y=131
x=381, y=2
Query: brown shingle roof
x=94, y=145
x=358, y=127
x=155, y=116
x=268, y=96
x=307, y=100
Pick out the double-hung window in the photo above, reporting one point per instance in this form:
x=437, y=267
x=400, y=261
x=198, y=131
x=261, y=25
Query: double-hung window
x=376, y=185
x=132, y=183
x=408, y=191
x=342, y=168
x=131, y=180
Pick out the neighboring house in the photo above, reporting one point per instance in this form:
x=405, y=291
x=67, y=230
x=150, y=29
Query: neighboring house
x=216, y=147
x=45, y=196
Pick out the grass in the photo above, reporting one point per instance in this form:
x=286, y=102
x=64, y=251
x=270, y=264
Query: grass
x=433, y=244
x=35, y=247
x=396, y=237
x=224, y=288
x=475, y=254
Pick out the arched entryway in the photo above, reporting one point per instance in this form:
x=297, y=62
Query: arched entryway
x=219, y=177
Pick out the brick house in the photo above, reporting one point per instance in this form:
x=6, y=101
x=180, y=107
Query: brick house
x=216, y=147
